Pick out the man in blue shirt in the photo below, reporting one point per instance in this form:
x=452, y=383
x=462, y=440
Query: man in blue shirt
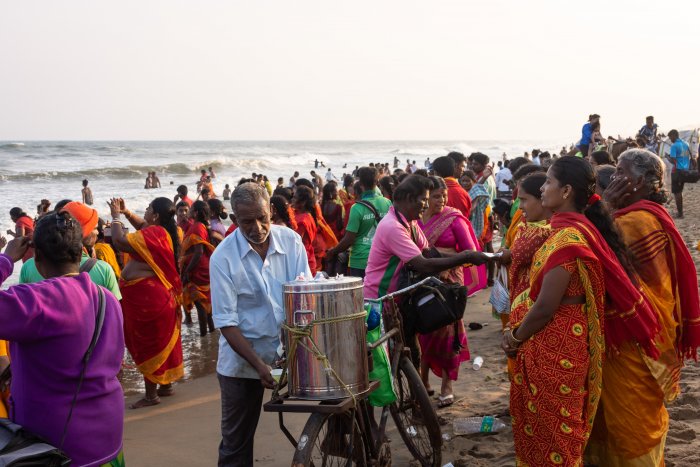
x=586, y=133
x=247, y=272
x=680, y=158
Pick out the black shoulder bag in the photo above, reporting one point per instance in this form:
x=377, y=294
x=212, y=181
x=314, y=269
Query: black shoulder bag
x=435, y=304
x=20, y=448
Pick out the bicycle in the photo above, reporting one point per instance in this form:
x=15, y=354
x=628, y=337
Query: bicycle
x=344, y=432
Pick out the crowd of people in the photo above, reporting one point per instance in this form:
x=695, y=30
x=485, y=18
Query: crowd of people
x=603, y=294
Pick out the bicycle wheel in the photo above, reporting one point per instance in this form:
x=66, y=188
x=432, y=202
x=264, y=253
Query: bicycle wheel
x=325, y=442
x=415, y=416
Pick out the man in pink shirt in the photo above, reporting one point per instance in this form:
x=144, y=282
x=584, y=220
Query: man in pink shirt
x=399, y=242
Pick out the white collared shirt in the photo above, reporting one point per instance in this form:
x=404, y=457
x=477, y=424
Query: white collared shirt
x=246, y=292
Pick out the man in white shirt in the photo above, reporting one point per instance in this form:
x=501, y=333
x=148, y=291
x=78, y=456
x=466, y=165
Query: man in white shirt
x=247, y=271
x=293, y=180
x=330, y=177
x=504, y=176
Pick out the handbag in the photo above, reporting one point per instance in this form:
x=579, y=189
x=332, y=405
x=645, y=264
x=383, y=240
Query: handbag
x=435, y=305
x=500, y=298
x=19, y=447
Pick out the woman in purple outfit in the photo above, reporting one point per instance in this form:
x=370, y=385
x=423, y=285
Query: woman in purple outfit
x=50, y=325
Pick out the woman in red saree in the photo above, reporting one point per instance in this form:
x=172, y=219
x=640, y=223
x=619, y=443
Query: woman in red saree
x=632, y=421
x=24, y=227
x=194, y=266
x=579, y=280
x=443, y=350
x=305, y=217
x=332, y=209
x=151, y=294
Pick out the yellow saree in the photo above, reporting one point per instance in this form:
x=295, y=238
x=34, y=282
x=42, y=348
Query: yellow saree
x=632, y=421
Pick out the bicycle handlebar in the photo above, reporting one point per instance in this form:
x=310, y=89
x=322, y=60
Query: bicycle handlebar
x=432, y=279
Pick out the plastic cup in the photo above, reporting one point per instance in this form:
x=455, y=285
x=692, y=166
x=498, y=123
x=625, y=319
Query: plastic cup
x=276, y=374
x=477, y=363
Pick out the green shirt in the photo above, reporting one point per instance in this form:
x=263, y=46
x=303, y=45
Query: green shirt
x=101, y=274
x=362, y=223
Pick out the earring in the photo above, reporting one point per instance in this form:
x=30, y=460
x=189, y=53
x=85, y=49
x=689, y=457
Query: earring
x=634, y=189
x=566, y=196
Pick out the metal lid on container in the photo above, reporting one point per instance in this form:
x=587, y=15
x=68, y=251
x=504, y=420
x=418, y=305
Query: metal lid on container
x=318, y=285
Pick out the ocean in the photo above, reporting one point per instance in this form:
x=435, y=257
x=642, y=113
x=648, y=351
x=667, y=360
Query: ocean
x=32, y=170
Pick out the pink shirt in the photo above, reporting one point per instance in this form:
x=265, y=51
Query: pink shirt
x=392, y=247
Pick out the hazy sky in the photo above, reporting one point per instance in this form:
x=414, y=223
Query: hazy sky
x=298, y=69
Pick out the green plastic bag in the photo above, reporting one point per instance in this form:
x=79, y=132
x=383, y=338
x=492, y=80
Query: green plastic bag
x=381, y=371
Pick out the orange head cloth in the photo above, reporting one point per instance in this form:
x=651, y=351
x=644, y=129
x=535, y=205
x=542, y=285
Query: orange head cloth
x=85, y=215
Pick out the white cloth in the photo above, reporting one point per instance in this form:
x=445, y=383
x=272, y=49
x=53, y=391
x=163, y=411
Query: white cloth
x=502, y=177
x=330, y=177
x=246, y=292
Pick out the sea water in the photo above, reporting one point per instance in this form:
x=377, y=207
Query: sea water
x=32, y=170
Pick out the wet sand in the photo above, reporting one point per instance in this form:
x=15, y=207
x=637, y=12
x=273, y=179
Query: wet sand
x=199, y=359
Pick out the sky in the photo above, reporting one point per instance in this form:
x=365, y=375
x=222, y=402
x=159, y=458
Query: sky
x=332, y=70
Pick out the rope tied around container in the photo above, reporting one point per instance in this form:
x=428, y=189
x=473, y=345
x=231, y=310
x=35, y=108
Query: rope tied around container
x=298, y=333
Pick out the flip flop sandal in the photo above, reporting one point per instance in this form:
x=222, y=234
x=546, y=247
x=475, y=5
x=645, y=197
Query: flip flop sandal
x=145, y=403
x=446, y=401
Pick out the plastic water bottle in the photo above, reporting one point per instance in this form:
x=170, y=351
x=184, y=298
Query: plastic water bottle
x=469, y=425
x=477, y=363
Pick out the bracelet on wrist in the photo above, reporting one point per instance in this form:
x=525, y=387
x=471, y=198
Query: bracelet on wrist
x=515, y=339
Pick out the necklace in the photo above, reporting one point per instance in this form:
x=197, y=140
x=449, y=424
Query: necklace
x=71, y=274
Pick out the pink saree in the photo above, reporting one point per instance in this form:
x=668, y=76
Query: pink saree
x=450, y=231
x=445, y=234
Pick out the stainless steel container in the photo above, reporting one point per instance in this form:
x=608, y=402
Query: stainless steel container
x=344, y=343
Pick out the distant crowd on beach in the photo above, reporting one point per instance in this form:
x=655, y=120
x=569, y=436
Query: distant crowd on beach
x=601, y=296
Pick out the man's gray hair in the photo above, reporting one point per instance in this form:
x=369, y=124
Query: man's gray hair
x=650, y=167
x=249, y=193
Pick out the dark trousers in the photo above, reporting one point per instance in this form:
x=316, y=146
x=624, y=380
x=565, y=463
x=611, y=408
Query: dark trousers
x=241, y=399
x=354, y=272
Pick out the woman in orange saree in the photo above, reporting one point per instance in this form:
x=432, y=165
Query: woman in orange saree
x=558, y=343
x=632, y=421
x=151, y=295
x=196, y=251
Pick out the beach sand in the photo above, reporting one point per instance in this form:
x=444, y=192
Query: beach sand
x=486, y=392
